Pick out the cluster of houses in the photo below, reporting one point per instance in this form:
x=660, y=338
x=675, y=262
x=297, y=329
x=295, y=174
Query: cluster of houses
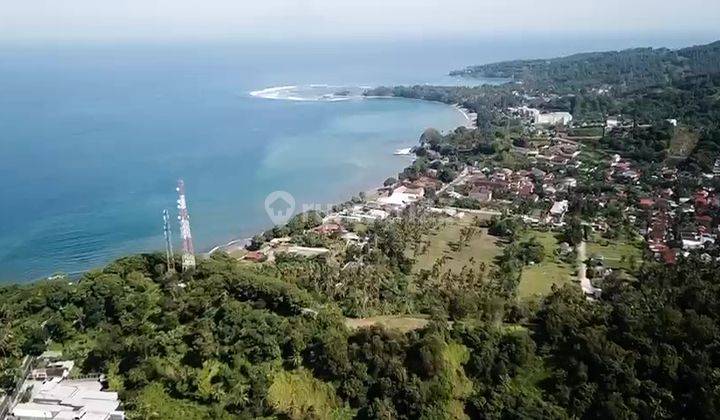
x=534, y=185
x=390, y=200
x=670, y=224
x=560, y=152
x=674, y=223
x=486, y=183
x=51, y=392
x=271, y=249
x=658, y=230
x=488, y=186
x=622, y=171
x=680, y=224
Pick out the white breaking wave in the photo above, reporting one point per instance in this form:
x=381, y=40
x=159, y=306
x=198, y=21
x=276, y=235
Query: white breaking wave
x=313, y=92
x=272, y=93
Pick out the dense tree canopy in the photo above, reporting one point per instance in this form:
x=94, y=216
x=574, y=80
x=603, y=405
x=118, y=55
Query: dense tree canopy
x=234, y=342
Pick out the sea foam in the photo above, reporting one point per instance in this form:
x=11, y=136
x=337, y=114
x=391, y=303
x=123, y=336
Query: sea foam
x=311, y=92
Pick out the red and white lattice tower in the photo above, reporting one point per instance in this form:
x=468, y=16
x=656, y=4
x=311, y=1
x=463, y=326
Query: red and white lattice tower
x=188, y=256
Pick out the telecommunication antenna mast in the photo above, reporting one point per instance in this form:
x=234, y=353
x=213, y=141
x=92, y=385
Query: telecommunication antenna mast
x=169, y=256
x=188, y=256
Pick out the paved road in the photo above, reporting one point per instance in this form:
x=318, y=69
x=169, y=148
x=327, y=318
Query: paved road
x=469, y=211
x=587, y=287
x=460, y=178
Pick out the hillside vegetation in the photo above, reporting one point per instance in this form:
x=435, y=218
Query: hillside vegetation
x=235, y=343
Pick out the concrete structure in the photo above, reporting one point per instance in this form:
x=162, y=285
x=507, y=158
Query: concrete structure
x=554, y=118
x=50, y=355
x=402, y=196
x=306, y=252
x=526, y=112
x=52, y=370
x=481, y=194
x=61, y=399
x=558, y=210
x=358, y=213
x=612, y=122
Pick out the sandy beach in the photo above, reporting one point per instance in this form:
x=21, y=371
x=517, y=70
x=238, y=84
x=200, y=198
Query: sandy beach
x=470, y=116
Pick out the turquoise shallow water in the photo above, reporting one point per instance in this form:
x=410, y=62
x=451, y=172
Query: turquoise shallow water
x=93, y=138
x=93, y=141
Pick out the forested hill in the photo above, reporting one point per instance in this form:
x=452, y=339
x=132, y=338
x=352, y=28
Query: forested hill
x=649, y=86
x=630, y=69
x=235, y=342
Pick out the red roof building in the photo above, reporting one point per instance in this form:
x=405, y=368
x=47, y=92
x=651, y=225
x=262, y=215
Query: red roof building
x=329, y=229
x=703, y=219
x=255, y=256
x=668, y=256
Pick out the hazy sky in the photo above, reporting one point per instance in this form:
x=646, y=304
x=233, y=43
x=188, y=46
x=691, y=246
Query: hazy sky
x=297, y=19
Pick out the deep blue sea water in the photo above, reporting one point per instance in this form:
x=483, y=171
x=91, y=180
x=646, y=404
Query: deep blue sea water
x=93, y=138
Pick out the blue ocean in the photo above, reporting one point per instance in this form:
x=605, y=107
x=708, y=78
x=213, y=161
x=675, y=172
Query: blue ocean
x=94, y=137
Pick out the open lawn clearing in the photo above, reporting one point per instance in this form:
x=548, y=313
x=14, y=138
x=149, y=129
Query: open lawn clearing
x=537, y=279
x=615, y=254
x=401, y=323
x=596, y=132
x=682, y=142
x=444, y=242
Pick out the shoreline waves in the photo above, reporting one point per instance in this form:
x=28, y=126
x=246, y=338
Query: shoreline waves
x=237, y=244
x=470, y=116
x=240, y=243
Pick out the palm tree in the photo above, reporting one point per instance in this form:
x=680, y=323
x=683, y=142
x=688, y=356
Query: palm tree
x=6, y=335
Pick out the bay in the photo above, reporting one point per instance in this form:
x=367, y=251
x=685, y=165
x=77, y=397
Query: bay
x=93, y=137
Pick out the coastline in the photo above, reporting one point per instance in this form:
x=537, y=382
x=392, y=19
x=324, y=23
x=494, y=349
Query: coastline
x=236, y=244
x=239, y=244
x=470, y=117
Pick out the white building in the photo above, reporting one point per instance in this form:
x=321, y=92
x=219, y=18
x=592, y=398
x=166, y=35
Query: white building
x=307, y=252
x=569, y=182
x=559, y=208
x=526, y=112
x=557, y=211
x=612, y=122
x=554, y=118
x=61, y=399
x=402, y=196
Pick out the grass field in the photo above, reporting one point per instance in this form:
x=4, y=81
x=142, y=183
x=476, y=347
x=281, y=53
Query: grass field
x=537, y=280
x=613, y=253
x=586, y=132
x=482, y=247
x=400, y=323
x=682, y=142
